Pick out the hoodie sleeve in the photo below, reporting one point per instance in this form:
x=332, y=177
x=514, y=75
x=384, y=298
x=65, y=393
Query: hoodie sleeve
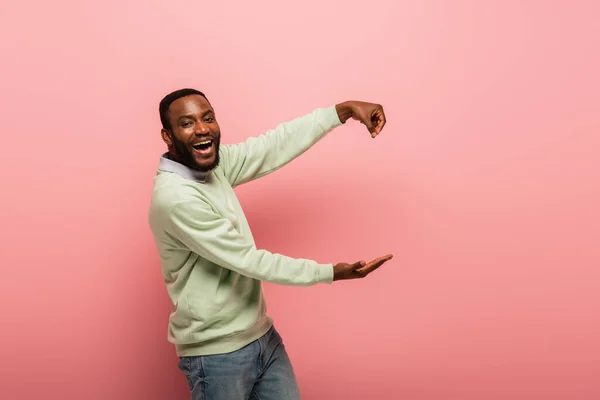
x=214, y=238
x=261, y=155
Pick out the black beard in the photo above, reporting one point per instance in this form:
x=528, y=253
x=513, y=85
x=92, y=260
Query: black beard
x=185, y=157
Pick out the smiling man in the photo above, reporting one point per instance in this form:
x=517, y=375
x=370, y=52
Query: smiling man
x=227, y=345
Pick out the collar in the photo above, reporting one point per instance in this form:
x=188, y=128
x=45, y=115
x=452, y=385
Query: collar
x=168, y=165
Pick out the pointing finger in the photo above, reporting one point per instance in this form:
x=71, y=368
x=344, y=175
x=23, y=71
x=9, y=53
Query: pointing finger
x=370, y=126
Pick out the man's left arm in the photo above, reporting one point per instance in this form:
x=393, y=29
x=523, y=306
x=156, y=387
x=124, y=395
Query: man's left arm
x=261, y=155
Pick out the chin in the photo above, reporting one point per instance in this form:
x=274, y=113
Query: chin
x=207, y=165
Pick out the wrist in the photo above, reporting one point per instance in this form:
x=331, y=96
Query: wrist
x=344, y=111
x=337, y=271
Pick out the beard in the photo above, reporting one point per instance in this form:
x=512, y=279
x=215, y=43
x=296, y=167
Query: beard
x=185, y=155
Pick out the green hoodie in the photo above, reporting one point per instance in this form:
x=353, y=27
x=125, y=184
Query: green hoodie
x=210, y=263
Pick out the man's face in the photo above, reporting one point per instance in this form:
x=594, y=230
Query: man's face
x=194, y=137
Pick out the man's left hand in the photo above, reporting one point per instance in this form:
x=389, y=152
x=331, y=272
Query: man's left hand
x=369, y=114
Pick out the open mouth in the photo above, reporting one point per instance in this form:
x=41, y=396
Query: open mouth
x=203, y=146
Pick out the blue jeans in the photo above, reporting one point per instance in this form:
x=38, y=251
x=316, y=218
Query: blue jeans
x=259, y=371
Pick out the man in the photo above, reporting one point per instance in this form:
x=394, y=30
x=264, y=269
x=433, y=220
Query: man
x=227, y=344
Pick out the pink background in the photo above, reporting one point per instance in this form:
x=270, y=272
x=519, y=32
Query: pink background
x=485, y=185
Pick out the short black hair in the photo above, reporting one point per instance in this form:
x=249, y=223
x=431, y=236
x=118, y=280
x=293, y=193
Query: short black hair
x=165, y=103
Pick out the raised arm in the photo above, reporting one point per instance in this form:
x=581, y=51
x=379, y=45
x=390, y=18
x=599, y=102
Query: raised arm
x=261, y=155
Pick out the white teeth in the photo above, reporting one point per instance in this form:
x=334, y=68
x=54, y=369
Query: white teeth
x=203, y=143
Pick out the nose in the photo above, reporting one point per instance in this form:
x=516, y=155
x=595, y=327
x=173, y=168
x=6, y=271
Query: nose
x=201, y=129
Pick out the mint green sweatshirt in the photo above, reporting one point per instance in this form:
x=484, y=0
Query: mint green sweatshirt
x=210, y=263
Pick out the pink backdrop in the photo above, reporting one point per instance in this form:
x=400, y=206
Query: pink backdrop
x=485, y=186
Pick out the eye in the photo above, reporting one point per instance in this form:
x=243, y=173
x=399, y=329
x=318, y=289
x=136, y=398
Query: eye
x=186, y=124
x=208, y=119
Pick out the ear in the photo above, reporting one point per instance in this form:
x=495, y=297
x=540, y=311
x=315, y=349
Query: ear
x=166, y=137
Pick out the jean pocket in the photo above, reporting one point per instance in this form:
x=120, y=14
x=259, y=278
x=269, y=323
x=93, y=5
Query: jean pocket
x=185, y=366
x=191, y=366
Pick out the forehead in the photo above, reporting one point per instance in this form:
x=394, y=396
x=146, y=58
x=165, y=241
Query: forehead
x=193, y=105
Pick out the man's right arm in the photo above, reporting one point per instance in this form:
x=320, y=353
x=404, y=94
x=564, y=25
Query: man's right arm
x=213, y=237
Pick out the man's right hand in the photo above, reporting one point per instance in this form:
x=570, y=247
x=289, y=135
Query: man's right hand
x=359, y=269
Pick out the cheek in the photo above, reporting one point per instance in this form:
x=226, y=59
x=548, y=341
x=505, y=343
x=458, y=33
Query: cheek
x=181, y=136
